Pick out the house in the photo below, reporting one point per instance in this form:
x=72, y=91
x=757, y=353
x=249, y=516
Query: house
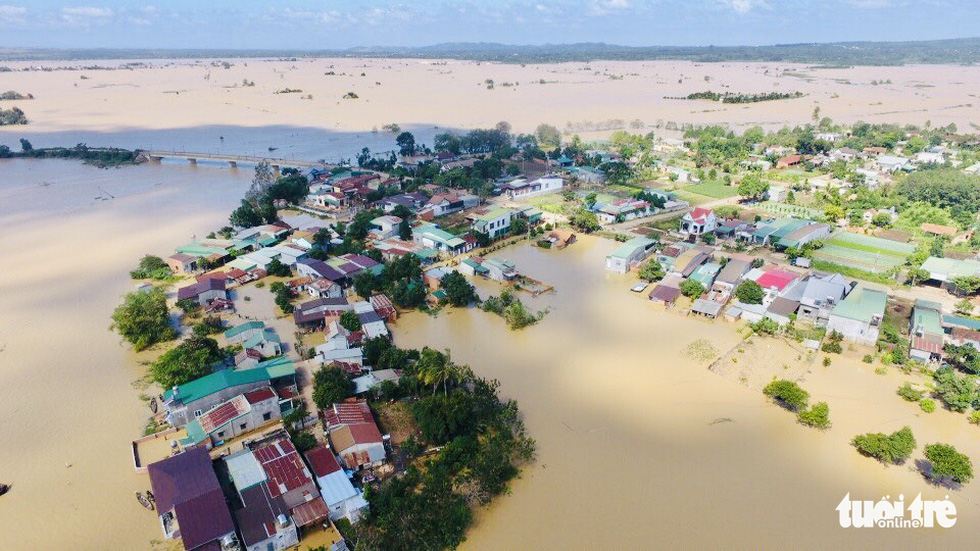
x=288, y=488
x=926, y=334
x=752, y=313
x=771, y=231
x=858, y=317
x=781, y=309
x=313, y=313
x=802, y=236
x=972, y=169
x=937, y=229
x=705, y=274
x=688, y=261
x=352, y=265
x=588, y=174
x=945, y=270
x=667, y=291
x=492, y=222
x=845, y=154
x=930, y=158
x=788, y=161
x=961, y=336
x=776, y=193
x=772, y=278
x=243, y=332
x=354, y=434
x=622, y=211
x=411, y=201
x=821, y=293
x=442, y=204
x=189, y=501
x=828, y=136
x=560, y=239
x=181, y=263
x=324, y=288
x=497, y=270
x=318, y=269
x=522, y=188
x=342, y=499
x=384, y=227
x=707, y=307
x=699, y=222
x=892, y=163
x=203, y=292
x=240, y=415
x=733, y=271
x=185, y=402
x=629, y=254
x=265, y=342
x=429, y=235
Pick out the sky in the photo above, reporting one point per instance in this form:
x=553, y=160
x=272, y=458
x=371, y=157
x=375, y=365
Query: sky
x=338, y=24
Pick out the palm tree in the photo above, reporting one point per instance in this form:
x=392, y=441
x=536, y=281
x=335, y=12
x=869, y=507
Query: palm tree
x=437, y=368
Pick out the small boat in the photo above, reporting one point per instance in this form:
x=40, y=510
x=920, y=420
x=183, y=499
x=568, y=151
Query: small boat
x=4, y=488
x=150, y=496
x=273, y=148
x=639, y=287
x=153, y=404
x=144, y=501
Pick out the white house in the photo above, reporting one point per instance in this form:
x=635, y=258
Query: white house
x=523, y=188
x=629, y=254
x=699, y=221
x=384, y=227
x=343, y=500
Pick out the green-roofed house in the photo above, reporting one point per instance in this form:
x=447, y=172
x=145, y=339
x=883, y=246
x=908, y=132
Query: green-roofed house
x=771, y=231
x=706, y=274
x=185, y=402
x=493, y=222
x=945, y=270
x=858, y=317
x=926, y=333
x=803, y=235
x=429, y=235
x=629, y=254
x=265, y=342
x=243, y=332
x=235, y=417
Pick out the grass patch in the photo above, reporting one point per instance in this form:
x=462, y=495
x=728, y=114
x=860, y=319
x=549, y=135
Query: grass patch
x=848, y=271
x=715, y=189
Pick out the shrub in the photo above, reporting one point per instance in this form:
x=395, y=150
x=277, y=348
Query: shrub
x=974, y=417
x=893, y=448
x=817, y=416
x=832, y=347
x=909, y=393
x=927, y=405
x=787, y=394
x=947, y=462
x=868, y=358
x=765, y=326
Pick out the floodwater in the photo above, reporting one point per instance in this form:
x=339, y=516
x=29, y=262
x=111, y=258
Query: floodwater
x=69, y=410
x=634, y=447
x=640, y=446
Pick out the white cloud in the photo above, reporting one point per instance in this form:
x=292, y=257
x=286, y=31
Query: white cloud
x=744, y=6
x=12, y=14
x=871, y=4
x=603, y=7
x=84, y=16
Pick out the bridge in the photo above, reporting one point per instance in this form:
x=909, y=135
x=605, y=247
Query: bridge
x=233, y=160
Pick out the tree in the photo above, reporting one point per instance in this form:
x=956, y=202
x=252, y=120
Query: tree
x=752, y=187
x=459, y=291
x=189, y=360
x=25, y=145
x=590, y=200
x=437, y=369
x=548, y=136
x=405, y=230
x=151, y=267
x=834, y=212
x=277, y=268
x=330, y=386
x=442, y=417
x=518, y=226
x=894, y=448
x=958, y=393
x=788, y=394
x=652, y=271
x=964, y=307
x=692, y=289
x=817, y=416
x=350, y=321
x=948, y=463
x=585, y=221
x=143, y=319
x=245, y=216
x=966, y=284
x=749, y=292
x=910, y=394
x=406, y=143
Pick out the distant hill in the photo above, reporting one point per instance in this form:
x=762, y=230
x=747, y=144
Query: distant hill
x=953, y=51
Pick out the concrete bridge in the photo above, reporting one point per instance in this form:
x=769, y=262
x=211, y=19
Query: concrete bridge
x=233, y=160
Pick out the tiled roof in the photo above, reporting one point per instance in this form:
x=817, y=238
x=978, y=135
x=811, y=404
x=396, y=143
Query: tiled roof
x=283, y=465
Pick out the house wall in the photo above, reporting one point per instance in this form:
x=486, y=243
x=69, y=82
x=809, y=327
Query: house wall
x=375, y=451
x=853, y=330
x=284, y=538
x=617, y=264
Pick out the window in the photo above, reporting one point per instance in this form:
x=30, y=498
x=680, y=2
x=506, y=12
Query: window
x=266, y=416
x=242, y=426
x=221, y=434
x=198, y=413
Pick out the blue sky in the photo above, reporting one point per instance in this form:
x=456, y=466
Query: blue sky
x=328, y=24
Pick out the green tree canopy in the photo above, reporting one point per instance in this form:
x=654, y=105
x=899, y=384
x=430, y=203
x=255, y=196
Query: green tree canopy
x=948, y=463
x=459, y=291
x=191, y=359
x=330, y=386
x=749, y=292
x=143, y=319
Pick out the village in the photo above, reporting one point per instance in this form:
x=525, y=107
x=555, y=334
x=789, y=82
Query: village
x=286, y=403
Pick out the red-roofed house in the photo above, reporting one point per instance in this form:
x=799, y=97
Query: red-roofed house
x=699, y=221
x=775, y=278
x=354, y=434
x=287, y=475
x=789, y=160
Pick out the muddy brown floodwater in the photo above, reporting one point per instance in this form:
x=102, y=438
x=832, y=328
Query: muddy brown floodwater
x=630, y=453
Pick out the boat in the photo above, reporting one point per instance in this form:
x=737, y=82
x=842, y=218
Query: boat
x=153, y=404
x=4, y=488
x=144, y=501
x=639, y=287
x=273, y=148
